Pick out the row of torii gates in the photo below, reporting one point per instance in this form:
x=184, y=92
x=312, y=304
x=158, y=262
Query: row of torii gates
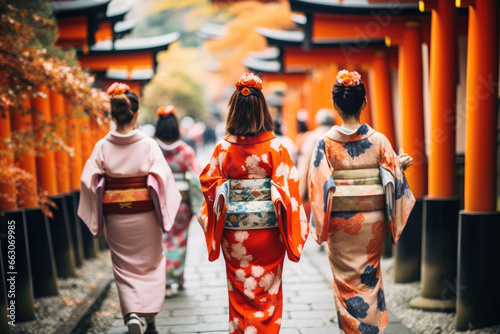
x=453, y=252
x=47, y=248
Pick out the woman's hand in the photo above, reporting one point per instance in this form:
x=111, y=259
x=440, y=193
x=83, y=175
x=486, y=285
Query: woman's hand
x=404, y=159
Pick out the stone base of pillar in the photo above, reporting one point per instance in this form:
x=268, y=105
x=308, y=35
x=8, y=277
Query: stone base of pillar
x=24, y=298
x=43, y=264
x=478, y=270
x=439, y=254
x=74, y=224
x=430, y=304
x=62, y=241
x=407, y=253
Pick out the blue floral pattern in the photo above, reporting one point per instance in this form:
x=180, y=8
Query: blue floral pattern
x=369, y=277
x=367, y=329
x=357, y=307
x=329, y=185
x=402, y=188
x=320, y=152
x=362, y=130
x=356, y=148
x=381, y=300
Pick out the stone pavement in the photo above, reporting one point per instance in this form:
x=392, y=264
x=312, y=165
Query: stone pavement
x=203, y=306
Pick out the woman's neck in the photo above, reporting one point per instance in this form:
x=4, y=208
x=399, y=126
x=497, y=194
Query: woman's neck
x=351, y=123
x=124, y=128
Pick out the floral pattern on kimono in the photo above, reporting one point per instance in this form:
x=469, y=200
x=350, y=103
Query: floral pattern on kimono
x=355, y=237
x=181, y=158
x=254, y=257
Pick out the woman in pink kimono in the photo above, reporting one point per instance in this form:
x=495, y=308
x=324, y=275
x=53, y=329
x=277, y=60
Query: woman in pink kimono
x=128, y=188
x=181, y=159
x=358, y=189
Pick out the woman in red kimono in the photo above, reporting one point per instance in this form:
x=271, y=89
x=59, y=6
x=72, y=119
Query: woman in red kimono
x=252, y=210
x=181, y=159
x=357, y=189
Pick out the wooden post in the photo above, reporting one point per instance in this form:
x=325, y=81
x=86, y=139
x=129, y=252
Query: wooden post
x=440, y=225
x=9, y=202
x=382, y=100
x=21, y=121
x=478, y=260
x=58, y=115
x=46, y=163
x=407, y=254
x=75, y=160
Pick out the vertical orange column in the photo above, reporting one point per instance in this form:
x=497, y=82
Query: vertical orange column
x=86, y=141
x=8, y=199
x=317, y=93
x=381, y=97
x=412, y=108
x=45, y=163
x=21, y=122
x=443, y=69
x=62, y=160
x=366, y=113
x=481, y=107
x=75, y=160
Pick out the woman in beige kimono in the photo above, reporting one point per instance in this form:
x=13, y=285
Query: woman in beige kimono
x=128, y=188
x=357, y=189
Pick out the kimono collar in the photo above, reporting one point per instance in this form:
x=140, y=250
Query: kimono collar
x=117, y=138
x=249, y=140
x=169, y=147
x=362, y=132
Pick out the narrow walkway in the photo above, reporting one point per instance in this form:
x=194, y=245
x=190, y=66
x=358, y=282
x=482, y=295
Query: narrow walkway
x=203, y=306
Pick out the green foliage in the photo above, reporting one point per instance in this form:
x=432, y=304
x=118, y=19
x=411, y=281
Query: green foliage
x=176, y=88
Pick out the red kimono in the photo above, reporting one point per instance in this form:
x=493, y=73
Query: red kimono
x=253, y=248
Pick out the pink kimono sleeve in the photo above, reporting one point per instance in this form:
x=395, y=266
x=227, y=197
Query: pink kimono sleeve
x=87, y=207
x=403, y=197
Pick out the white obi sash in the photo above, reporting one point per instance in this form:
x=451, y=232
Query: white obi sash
x=249, y=204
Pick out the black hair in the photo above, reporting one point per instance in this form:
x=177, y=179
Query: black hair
x=349, y=100
x=124, y=107
x=277, y=128
x=167, y=128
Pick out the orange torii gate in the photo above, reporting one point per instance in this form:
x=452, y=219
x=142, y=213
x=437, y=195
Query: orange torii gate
x=405, y=26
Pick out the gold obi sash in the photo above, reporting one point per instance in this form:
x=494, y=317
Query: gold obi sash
x=126, y=195
x=249, y=204
x=366, y=189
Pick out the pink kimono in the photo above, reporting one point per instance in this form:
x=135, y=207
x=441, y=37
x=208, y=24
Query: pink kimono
x=135, y=240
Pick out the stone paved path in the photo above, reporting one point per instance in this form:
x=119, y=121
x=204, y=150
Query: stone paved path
x=203, y=306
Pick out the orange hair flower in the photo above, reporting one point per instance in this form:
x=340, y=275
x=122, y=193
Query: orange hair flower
x=165, y=111
x=249, y=80
x=117, y=88
x=347, y=78
x=245, y=91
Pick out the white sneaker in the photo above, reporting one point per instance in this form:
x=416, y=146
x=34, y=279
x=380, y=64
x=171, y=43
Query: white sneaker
x=135, y=325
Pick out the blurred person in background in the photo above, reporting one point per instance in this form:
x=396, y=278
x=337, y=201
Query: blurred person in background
x=324, y=120
x=181, y=159
x=286, y=141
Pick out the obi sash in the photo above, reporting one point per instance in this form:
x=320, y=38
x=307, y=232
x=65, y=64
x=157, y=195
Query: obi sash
x=365, y=189
x=126, y=195
x=182, y=184
x=249, y=204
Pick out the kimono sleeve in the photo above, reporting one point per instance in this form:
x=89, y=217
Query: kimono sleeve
x=87, y=207
x=321, y=189
x=168, y=196
x=292, y=218
x=210, y=218
x=403, y=197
